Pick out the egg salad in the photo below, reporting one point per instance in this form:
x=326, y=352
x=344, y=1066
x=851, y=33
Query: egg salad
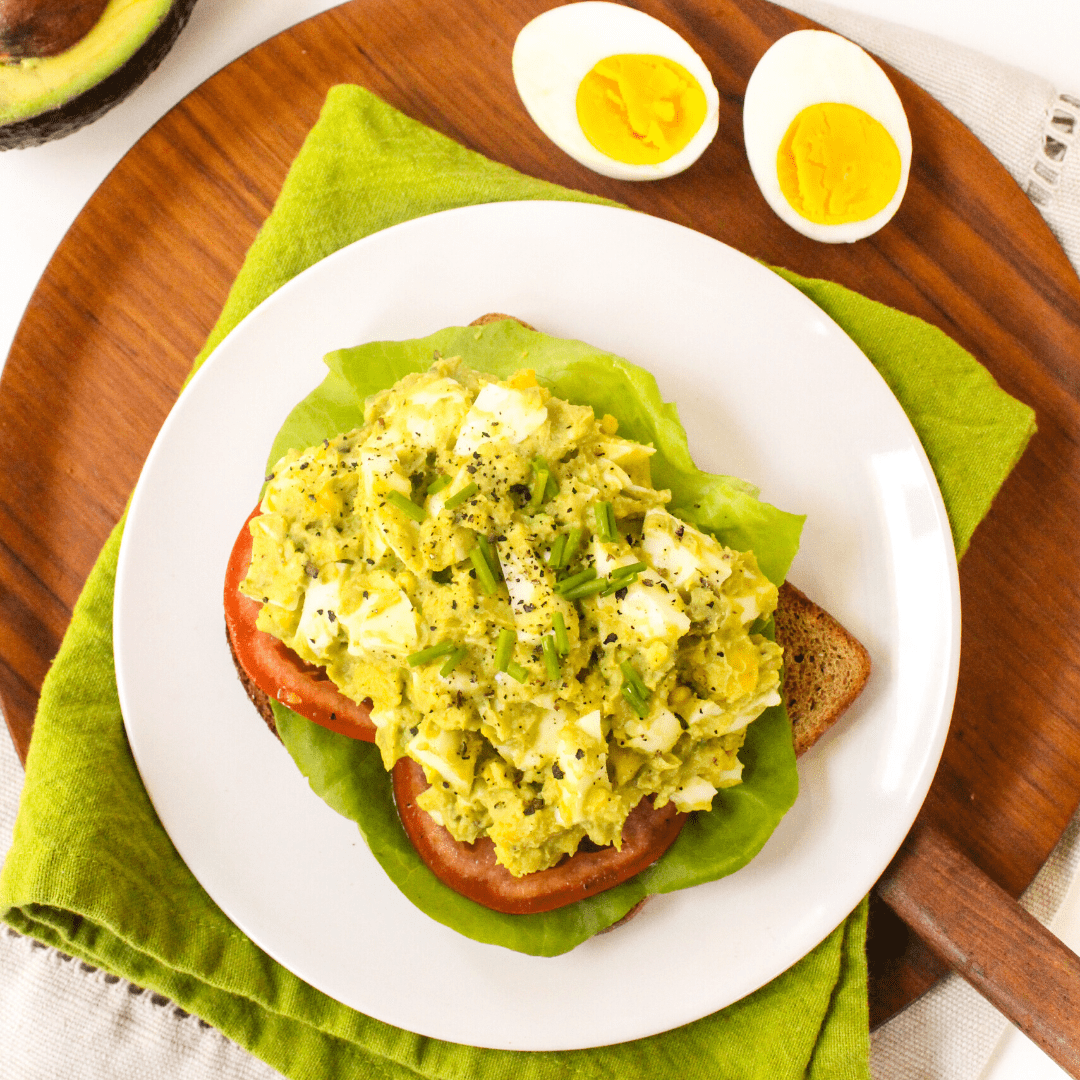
x=492, y=568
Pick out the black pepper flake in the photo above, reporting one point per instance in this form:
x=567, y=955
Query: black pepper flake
x=529, y=607
x=303, y=465
x=445, y=784
x=557, y=772
x=620, y=594
x=532, y=806
x=579, y=754
x=311, y=569
x=679, y=531
x=610, y=638
x=330, y=615
x=414, y=730
x=268, y=477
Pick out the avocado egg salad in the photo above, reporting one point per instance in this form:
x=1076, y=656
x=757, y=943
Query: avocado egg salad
x=498, y=539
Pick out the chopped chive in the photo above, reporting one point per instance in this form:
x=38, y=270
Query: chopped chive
x=504, y=649
x=586, y=588
x=453, y=660
x=551, y=658
x=562, y=639
x=635, y=702
x=489, y=555
x=572, y=542
x=425, y=656
x=551, y=488
x=635, y=680
x=403, y=502
x=483, y=571
x=622, y=576
x=516, y=671
x=555, y=554
x=440, y=481
x=605, y=522
x=459, y=497
x=564, y=586
x=539, y=490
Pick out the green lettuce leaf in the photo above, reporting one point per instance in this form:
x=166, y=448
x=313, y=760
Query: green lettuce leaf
x=349, y=775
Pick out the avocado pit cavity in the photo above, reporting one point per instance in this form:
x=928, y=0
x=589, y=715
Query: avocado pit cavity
x=34, y=29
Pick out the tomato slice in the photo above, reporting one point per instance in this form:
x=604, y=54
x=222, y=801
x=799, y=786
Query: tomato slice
x=275, y=668
x=471, y=869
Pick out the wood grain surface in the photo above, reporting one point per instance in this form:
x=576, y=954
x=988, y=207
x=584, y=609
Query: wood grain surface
x=140, y=279
x=979, y=931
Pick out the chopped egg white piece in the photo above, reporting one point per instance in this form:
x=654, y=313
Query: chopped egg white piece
x=697, y=794
x=500, y=413
x=383, y=622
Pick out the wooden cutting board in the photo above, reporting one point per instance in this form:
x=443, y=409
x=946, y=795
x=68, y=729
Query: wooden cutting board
x=139, y=280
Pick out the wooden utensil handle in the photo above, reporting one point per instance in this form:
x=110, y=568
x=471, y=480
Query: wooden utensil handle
x=976, y=928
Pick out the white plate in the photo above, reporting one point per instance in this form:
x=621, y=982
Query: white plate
x=769, y=389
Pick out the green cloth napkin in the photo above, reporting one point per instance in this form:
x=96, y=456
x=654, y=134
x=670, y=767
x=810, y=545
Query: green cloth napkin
x=91, y=870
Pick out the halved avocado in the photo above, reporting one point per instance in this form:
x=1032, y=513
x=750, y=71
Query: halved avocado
x=45, y=97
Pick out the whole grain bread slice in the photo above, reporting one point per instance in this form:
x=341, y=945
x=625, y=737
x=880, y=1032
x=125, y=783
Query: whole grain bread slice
x=825, y=667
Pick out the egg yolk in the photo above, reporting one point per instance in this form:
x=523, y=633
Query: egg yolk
x=640, y=109
x=837, y=164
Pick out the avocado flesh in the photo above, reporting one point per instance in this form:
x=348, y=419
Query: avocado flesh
x=43, y=98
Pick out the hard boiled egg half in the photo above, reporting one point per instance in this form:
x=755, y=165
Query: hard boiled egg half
x=827, y=137
x=616, y=89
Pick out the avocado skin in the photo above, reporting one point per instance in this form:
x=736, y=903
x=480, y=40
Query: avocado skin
x=99, y=99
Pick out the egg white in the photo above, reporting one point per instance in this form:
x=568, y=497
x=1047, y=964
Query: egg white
x=555, y=51
x=806, y=68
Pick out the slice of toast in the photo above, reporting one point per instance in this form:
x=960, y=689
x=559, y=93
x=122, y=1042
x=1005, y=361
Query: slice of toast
x=825, y=667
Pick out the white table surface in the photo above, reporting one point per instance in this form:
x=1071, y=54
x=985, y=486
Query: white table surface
x=43, y=189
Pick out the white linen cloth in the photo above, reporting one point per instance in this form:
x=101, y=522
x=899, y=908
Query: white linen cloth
x=60, y=1018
